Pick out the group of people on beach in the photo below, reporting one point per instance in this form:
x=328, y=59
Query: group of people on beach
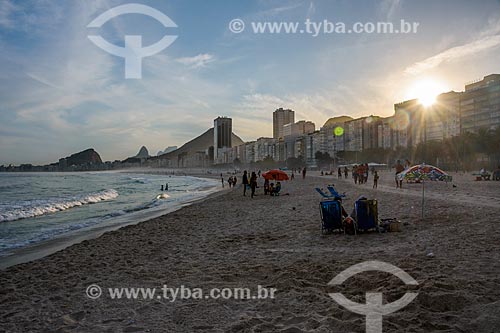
x=231, y=181
x=249, y=182
x=269, y=187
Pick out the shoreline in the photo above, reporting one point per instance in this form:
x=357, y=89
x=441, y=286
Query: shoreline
x=45, y=248
x=228, y=240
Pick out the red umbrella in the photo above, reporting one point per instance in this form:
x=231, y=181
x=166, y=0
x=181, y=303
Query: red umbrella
x=275, y=175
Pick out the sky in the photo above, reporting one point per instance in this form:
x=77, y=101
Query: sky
x=60, y=93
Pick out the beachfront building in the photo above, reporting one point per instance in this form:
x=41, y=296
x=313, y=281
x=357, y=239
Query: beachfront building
x=408, y=125
x=299, y=128
x=353, y=133
x=281, y=117
x=222, y=139
x=442, y=120
x=312, y=144
x=333, y=135
x=480, y=104
x=265, y=147
x=370, y=132
x=384, y=133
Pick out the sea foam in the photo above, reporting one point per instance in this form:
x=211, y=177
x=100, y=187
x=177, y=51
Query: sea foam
x=32, y=208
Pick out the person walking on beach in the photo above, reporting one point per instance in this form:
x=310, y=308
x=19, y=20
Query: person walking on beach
x=253, y=183
x=346, y=172
x=339, y=173
x=304, y=173
x=399, y=168
x=375, y=179
x=222, y=180
x=244, y=181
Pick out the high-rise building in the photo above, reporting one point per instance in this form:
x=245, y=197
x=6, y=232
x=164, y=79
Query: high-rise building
x=408, y=123
x=281, y=117
x=480, y=104
x=299, y=128
x=223, y=129
x=442, y=119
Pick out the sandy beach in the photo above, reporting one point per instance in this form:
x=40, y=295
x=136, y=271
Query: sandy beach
x=229, y=241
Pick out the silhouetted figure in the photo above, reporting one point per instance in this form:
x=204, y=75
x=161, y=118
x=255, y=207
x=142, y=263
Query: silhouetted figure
x=162, y=188
x=253, y=183
x=399, y=168
x=166, y=187
x=245, y=182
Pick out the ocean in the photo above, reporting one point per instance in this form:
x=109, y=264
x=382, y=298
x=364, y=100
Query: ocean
x=38, y=207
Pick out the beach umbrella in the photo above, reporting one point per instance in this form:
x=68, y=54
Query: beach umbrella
x=421, y=173
x=275, y=175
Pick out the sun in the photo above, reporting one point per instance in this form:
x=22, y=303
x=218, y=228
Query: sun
x=426, y=91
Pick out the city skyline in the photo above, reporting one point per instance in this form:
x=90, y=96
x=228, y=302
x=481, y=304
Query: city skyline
x=61, y=94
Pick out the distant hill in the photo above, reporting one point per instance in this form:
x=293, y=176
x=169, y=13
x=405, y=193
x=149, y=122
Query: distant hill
x=143, y=153
x=200, y=143
x=83, y=157
x=336, y=120
x=167, y=150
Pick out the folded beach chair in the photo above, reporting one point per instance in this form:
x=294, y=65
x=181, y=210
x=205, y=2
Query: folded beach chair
x=332, y=195
x=334, y=192
x=331, y=216
x=366, y=214
x=323, y=194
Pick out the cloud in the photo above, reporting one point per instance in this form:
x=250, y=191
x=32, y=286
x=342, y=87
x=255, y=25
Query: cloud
x=389, y=8
x=453, y=54
x=201, y=60
x=7, y=8
x=311, y=11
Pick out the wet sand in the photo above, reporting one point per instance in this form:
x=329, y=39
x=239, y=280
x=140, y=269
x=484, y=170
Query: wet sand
x=231, y=241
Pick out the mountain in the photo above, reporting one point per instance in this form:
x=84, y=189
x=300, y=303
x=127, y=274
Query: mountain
x=200, y=143
x=83, y=157
x=167, y=150
x=143, y=153
x=336, y=120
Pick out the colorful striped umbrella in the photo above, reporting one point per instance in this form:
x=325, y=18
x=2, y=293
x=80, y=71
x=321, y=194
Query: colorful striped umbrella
x=421, y=173
x=424, y=172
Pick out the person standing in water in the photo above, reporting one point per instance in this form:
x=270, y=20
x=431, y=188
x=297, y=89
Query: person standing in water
x=166, y=186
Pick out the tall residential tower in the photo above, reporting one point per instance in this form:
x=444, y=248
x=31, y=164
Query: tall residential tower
x=223, y=128
x=281, y=118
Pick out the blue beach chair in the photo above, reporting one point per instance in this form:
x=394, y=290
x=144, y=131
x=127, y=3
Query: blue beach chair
x=333, y=193
x=366, y=215
x=331, y=216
